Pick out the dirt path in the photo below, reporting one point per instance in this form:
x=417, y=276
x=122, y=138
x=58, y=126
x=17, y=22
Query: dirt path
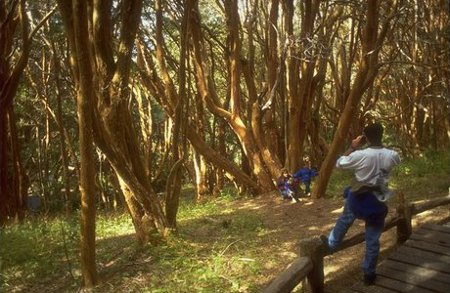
x=294, y=221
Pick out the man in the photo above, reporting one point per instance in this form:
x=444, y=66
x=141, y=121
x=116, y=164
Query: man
x=366, y=198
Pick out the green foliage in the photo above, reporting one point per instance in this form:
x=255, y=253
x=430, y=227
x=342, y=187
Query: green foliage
x=423, y=176
x=36, y=251
x=230, y=193
x=197, y=266
x=430, y=163
x=338, y=180
x=212, y=250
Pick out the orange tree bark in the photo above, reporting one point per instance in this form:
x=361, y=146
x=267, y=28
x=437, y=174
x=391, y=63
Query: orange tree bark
x=372, y=41
x=84, y=95
x=110, y=61
x=173, y=186
x=163, y=89
x=207, y=91
x=420, y=118
x=273, y=80
x=304, y=71
x=158, y=89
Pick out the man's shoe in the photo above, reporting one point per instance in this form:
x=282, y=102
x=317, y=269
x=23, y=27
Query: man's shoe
x=369, y=279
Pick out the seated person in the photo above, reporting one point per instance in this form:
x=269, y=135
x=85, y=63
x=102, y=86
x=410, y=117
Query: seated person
x=306, y=175
x=287, y=186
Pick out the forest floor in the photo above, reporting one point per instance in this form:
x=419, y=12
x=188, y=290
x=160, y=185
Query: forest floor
x=127, y=268
x=224, y=244
x=313, y=217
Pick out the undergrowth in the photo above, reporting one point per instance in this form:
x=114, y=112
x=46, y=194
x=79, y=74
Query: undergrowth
x=216, y=249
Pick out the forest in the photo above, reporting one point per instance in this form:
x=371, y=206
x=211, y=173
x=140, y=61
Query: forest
x=141, y=140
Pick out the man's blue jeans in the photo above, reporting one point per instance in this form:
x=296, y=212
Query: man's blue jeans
x=372, y=236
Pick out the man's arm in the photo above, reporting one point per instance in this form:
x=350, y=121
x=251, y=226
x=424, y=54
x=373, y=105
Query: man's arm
x=356, y=144
x=348, y=161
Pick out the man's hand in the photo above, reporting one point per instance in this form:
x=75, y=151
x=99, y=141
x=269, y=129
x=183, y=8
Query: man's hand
x=358, y=142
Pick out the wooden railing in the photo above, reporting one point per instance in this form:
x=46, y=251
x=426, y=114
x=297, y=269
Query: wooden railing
x=309, y=264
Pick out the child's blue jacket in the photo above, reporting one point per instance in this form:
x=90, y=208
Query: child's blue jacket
x=305, y=174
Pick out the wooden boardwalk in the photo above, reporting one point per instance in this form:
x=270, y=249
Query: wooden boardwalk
x=420, y=265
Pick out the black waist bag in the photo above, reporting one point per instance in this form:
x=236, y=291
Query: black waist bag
x=365, y=205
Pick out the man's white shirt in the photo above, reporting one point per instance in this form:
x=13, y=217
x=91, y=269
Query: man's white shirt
x=369, y=164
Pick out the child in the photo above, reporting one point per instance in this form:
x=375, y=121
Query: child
x=306, y=175
x=286, y=185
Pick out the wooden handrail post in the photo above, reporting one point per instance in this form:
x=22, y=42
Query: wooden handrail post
x=404, y=226
x=311, y=248
x=295, y=273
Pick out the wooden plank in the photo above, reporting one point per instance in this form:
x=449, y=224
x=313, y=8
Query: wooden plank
x=348, y=290
x=433, y=232
x=291, y=276
x=430, y=204
x=433, y=227
x=436, y=264
x=361, y=288
x=432, y=274
x=423, y=254
x=399, y=286
x=432, y=237
x=414, y=279
x=445, y=237
x=422, y=245
x=421, y=265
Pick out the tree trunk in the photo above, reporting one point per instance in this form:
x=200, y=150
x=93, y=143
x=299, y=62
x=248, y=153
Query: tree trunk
x=199, y=160
x=273, y=66
x=164, y=88
x=11, y=17
x=350, y=111
x=372, y=42
x=61, y=130
x=300, y=101
x=20, y=179
x=4, y=185
x=109, y=79
x=292, y=80
x=208, y=93
x=86, y=144
x=200, y=175
x=222, y=148
x=141, y=223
